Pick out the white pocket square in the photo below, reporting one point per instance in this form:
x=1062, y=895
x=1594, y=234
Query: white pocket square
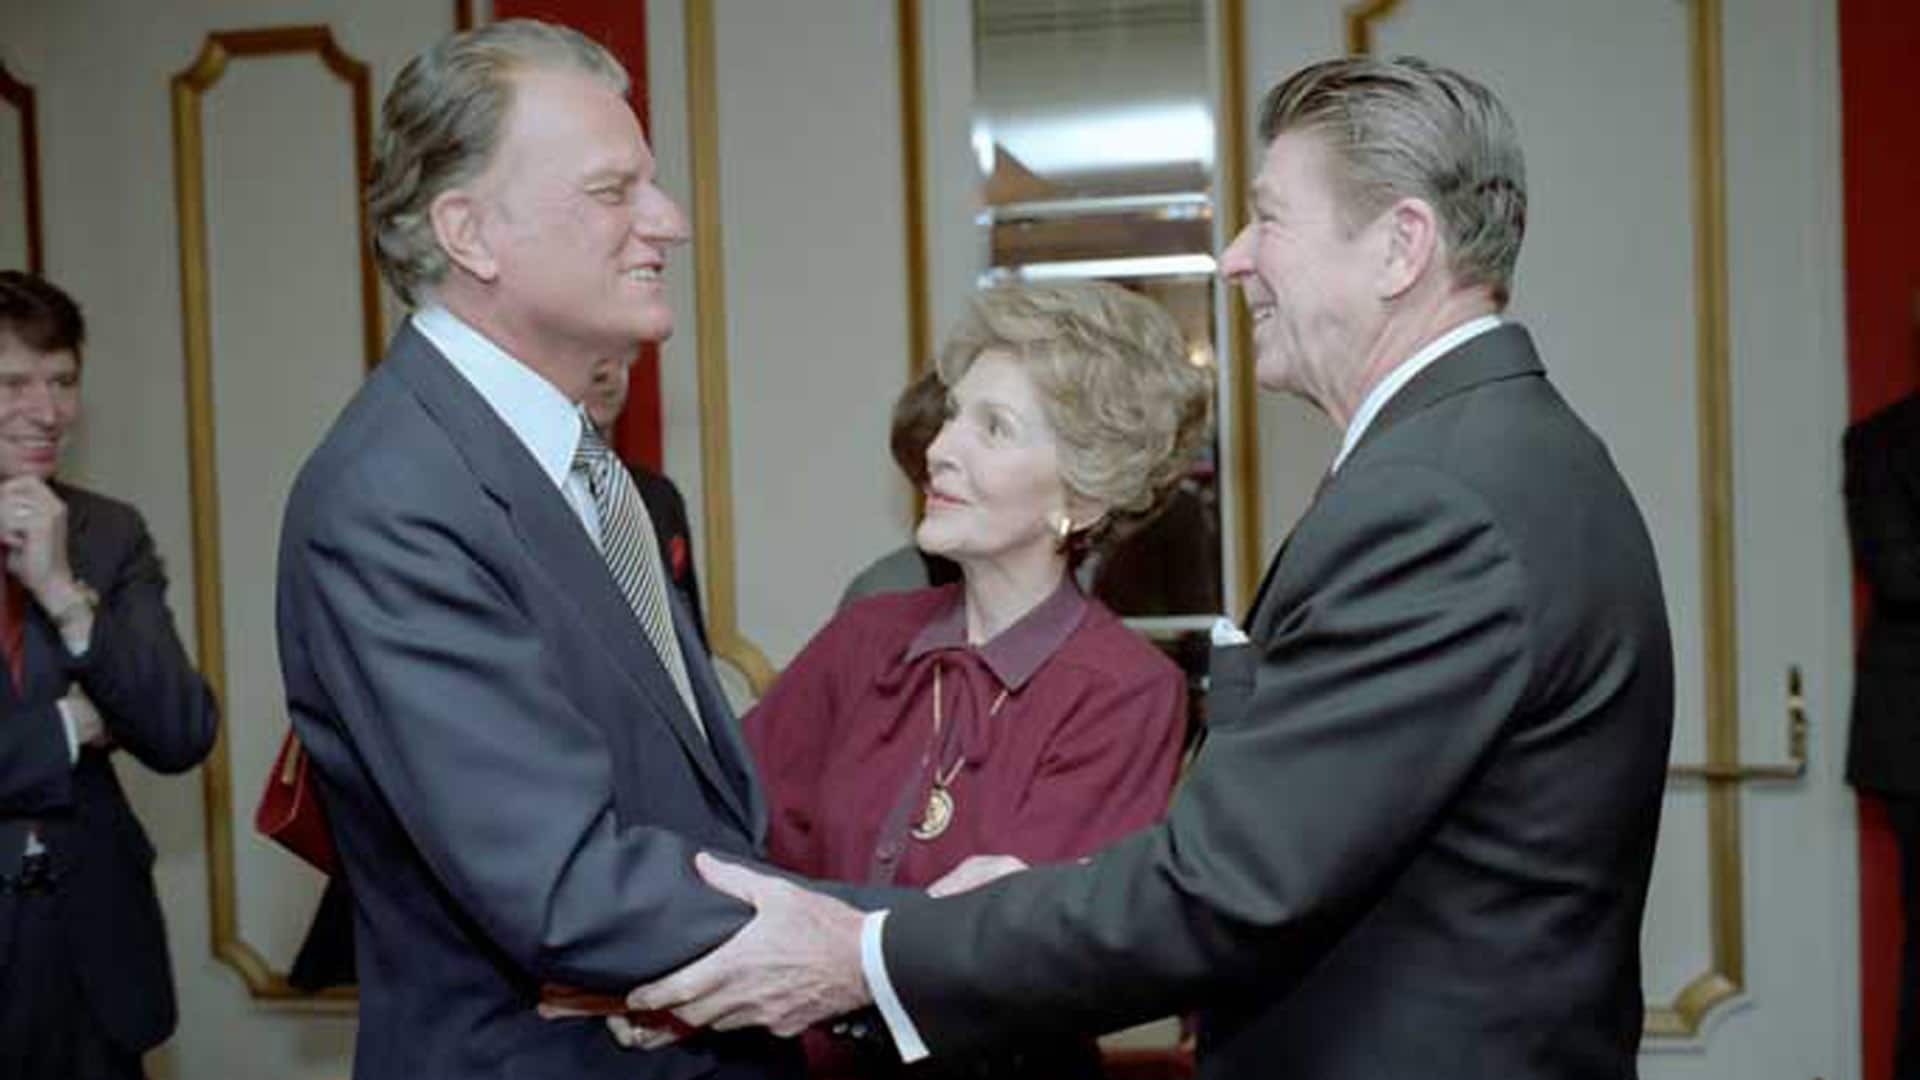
x=1225, y=633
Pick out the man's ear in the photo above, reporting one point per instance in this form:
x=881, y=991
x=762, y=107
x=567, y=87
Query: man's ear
x=1410, y=242
x=456, y=216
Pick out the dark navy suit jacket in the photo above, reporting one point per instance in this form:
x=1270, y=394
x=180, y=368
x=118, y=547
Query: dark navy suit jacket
x=515, y=788
x=326, y=956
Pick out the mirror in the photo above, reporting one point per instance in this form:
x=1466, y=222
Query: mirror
x=1094, y=132
x=1103, y=168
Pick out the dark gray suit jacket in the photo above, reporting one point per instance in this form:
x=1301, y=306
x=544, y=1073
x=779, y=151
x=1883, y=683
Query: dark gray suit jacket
x=1418, y=840
x=515, y=788
x=159, y=710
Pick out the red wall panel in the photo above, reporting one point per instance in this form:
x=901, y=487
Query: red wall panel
x=620, y=25
x=1880, y=147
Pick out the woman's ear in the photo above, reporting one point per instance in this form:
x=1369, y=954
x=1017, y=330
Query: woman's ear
x=1086, y=513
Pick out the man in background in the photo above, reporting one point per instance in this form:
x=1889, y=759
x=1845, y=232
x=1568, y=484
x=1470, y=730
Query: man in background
x=918, y=414
x=1882, y=458
x=93, y=667
x=604, y=403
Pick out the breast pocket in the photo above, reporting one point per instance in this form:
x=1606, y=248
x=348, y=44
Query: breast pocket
x=1230, y=671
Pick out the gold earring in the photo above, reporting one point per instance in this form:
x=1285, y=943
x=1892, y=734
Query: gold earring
x=1064, y=528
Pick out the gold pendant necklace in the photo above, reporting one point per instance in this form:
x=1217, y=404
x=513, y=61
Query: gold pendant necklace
x=940, y=806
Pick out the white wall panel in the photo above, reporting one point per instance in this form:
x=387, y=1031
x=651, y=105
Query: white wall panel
x=810, y=186
x=287, y=353
x=13, y=185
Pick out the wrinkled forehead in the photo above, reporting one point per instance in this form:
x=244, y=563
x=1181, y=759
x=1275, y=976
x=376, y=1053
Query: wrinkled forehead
x=571, y=123
x=1296, y=159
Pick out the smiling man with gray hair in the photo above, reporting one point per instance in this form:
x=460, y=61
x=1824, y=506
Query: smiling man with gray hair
x=1417, y=843
x=518, y=738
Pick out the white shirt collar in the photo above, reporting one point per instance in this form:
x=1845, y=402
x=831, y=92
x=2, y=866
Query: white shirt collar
x=1399, y=377
x=535, y=410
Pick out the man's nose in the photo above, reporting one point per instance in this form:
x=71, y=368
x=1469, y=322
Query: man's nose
x=661, y=221
x=1235, y=262
x=39, y=405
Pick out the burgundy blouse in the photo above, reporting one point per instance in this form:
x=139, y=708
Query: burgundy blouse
x=1082, y=750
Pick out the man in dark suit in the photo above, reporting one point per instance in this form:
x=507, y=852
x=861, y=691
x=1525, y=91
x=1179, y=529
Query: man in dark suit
x=518, y=738
x=94, y=666
x=1418, y=841
x=1883, y=754
x=326, y=955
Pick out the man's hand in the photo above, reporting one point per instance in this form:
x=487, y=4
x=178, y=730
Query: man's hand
x=33, y=530
x=33, y=527
x=635, y=1031
x=797, y=962
x=975, y=871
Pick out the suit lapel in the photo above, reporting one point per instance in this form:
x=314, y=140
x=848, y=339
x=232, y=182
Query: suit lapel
x=1273, y=564
x=1266, y=580
x=1502, y=353
x=555, y=539
x=723, y=731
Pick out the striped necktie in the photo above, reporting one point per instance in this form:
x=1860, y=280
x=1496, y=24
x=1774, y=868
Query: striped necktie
x=633, y=555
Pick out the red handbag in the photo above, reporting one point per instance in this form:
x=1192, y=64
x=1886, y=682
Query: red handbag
x=290, y=814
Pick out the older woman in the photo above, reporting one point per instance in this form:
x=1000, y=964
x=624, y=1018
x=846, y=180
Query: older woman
x=1006, y=713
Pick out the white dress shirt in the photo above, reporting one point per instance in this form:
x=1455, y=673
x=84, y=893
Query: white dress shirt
x=1399, y=377
x=906, y=1037
x=535, y=410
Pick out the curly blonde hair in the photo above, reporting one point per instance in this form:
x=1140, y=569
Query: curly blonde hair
x=1127, y=407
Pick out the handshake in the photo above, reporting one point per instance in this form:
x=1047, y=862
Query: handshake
x=794, y=964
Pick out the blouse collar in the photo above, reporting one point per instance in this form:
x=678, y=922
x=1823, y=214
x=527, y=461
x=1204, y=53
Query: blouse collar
x=1014, y=654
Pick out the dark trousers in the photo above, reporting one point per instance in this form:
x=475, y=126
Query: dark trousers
x=46, y=1030
x=1904, y=816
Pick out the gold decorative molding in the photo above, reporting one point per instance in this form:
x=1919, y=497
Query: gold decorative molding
x=913, y=189
x=1360, y=19
x=189, y=87
x=20, y=96
x=1726, y=974
x=1233, y=183
x=710, y=337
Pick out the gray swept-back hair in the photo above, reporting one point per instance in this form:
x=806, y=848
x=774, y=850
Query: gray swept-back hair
x=441, y=123
x=1405, y=128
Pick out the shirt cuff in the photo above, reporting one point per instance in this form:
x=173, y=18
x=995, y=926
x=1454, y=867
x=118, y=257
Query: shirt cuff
x=873, y=965
x=73, y=734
